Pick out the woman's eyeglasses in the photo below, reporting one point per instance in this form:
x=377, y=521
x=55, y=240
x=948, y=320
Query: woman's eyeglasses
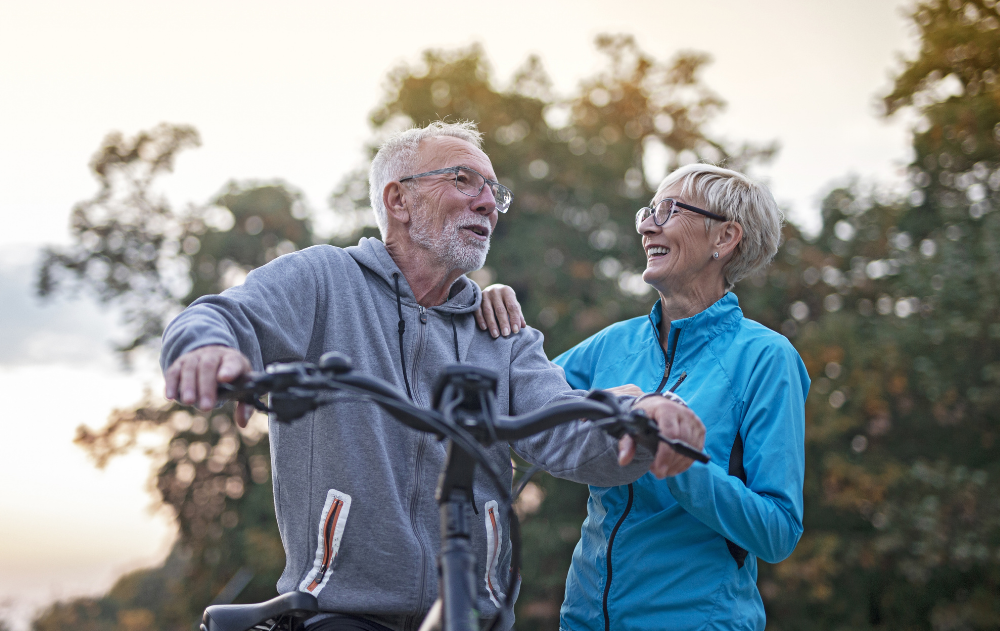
x=667, y=208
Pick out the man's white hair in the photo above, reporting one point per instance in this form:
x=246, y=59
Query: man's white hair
x=740, y=199
x=397, y=157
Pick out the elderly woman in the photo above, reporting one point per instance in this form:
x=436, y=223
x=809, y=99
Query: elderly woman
x=681, y=553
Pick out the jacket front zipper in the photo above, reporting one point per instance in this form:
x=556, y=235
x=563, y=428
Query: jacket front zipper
x=669, y=363
x=421, y=443
x=669, y=359
x=611, y=543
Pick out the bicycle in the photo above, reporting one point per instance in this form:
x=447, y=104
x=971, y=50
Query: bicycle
x=465, y=414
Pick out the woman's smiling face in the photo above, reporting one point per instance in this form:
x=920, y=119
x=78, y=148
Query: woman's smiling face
x=678, y=253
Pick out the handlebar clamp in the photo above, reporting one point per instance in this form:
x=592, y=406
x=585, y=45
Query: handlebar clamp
x=635, y=423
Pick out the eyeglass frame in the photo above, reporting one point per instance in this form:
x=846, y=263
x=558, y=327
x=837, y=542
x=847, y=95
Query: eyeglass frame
x=486, y=180
x=676, y=204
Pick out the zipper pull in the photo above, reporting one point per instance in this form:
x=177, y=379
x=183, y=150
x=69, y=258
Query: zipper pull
x=423, y=314
x=679, y=381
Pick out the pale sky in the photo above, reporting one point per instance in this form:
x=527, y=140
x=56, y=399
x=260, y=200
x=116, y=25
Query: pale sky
x=283, y=90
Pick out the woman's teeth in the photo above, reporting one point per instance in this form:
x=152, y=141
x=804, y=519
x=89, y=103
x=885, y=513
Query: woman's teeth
x=655, y=250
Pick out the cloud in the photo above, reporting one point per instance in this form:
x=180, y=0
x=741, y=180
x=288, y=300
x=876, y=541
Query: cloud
x=61, y=330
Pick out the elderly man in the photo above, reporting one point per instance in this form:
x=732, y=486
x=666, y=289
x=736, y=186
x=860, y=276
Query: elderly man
x=402, y=308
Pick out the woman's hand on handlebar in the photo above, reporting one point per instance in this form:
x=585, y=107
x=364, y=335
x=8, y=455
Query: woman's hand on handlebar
x=629, y=389
x=500, y=312
x=675, y=421
x=194, y=377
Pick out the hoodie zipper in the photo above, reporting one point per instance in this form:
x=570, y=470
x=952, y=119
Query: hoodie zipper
x=669, y=359
x=421, y=443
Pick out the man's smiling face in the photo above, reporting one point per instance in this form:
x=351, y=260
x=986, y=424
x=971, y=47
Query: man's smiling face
x=455, y=227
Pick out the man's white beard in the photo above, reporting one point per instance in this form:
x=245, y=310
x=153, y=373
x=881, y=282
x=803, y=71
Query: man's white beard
x=451, y=247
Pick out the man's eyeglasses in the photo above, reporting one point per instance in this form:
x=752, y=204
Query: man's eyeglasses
x=471, y=182
x=666, y=209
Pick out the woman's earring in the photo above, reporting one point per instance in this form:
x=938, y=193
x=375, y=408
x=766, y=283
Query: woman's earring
x=715, y=256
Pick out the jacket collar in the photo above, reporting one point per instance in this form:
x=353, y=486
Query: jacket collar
x=372, y=254
x=701, y=328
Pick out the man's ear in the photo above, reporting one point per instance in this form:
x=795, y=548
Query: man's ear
x=397, y=205
x=728, y=238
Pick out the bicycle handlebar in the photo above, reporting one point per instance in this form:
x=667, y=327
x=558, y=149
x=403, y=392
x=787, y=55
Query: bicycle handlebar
x=464, y=402
x=295, y=388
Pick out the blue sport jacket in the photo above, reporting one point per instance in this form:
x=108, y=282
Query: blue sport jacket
x=681, y=553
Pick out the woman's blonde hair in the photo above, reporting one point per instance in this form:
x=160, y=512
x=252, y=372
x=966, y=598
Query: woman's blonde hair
x=740, y=199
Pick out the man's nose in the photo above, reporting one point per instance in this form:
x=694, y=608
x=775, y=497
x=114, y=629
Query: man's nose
x=485, y=202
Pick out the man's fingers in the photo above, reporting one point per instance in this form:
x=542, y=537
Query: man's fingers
x=208, y=370
x=626, y=450
x=188, y=385
x=172, y=378
x=242, y=413
x=233, y=365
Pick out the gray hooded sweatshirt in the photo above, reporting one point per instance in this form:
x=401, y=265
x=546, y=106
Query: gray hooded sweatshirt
x=354, y=488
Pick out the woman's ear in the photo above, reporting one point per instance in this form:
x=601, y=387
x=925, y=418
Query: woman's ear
x=727, y=238
x=396, y=203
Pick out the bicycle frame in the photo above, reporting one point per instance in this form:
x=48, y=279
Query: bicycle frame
x=465, y=414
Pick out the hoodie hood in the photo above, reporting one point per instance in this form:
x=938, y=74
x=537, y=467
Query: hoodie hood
x=370, y=253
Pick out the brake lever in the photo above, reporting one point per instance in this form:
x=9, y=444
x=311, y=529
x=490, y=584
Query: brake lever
x=244, y=389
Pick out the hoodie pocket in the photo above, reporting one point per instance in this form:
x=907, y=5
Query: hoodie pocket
x=494, y=538
x=331, y=531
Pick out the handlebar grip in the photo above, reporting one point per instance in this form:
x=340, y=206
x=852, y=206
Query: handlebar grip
x=687, y=450
x=649, y=436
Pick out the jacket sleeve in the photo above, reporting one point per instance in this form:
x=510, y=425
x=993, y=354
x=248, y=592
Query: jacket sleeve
x=579, y=362
x=764, y=516
x=576, y=451
x=268, y=318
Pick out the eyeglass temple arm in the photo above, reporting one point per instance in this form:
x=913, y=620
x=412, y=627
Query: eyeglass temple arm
x=700, y=211
x=435, y=172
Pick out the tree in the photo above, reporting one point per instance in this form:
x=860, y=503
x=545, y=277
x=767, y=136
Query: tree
x=896, y=317
x=132, y=250
x=568, y=246
x=568, y=243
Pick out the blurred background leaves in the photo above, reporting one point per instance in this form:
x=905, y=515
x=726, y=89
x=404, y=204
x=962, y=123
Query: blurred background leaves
x=893, y=307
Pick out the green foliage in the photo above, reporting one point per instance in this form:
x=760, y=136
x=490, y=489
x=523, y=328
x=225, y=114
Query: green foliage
x=575, y=166
x=568, y=245
x=894, y=308
x=902, y=526
x=131, y=249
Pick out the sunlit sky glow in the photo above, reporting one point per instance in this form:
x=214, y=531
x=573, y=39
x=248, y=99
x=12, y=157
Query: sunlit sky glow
x=283, y=90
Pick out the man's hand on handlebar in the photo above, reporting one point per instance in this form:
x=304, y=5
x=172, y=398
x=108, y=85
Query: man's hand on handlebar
x=194, y=377
x=676, y=422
